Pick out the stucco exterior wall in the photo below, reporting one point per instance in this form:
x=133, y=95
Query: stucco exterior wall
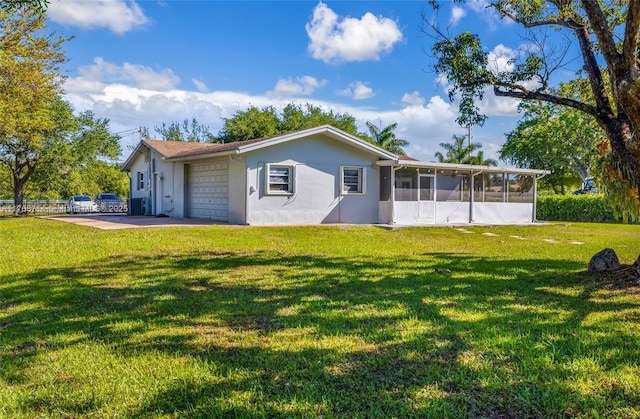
x=163, y=184
x=502, y=213
x=316, y=198
x=238, y=190
x=169, y=177
x=140, y=164
x=443, y=213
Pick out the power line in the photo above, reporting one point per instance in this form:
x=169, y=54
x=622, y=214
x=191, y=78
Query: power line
x=127, y=131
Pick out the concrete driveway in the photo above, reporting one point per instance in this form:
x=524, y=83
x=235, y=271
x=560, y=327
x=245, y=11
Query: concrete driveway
x=122, y=221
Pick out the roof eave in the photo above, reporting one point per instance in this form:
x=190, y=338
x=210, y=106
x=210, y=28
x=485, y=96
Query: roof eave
x=126, y=166
x=462, y=167
x=202, y=156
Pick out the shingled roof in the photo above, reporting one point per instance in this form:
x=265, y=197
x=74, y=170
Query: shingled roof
x=178, y=150
x=175, y=149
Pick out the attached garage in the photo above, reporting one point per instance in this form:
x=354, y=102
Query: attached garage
x=208, y=190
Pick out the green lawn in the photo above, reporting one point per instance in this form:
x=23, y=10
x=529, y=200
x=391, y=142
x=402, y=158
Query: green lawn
x=315, y=321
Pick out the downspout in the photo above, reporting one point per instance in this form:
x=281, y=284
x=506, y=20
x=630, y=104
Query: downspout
x=535, y=195
x=418, y=190
x=130, y=193
x=247, y=195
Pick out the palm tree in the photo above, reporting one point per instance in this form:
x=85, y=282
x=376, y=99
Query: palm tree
x=386, y=138
x=479, y=160
x=458, y=151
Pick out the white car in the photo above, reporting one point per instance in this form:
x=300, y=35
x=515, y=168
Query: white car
x=81, y=204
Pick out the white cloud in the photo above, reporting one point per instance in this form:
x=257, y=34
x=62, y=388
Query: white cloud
x=301, y=86
x=357, y=90
x=200, y=85
x=413, y=98
x=119, y=16
x=424, y=122
x=101, y=71
x=334, y=39
x=486, y=12
x=457, y=13
x=500, y=59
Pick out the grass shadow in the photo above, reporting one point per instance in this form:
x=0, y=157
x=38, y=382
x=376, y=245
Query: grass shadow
x=435, y=334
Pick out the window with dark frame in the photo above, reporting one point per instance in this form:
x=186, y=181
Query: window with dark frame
x=140, y=180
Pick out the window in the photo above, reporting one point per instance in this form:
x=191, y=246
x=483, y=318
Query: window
x=140, y=181
x=352, y=180
x=279, y=179
x=520, y=188
x=452, y=186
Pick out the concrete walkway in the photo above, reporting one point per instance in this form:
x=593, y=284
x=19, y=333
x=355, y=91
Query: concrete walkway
x=122, y=221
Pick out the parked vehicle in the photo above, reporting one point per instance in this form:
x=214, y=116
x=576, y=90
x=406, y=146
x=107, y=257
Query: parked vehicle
x=587, y=187
x=110, y=202
x=81, y=204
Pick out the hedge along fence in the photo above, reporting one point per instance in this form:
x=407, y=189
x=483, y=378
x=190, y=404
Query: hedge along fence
x=573, y=208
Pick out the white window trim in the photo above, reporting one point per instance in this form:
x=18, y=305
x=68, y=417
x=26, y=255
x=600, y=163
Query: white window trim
x=363, y=180
x=292, y=179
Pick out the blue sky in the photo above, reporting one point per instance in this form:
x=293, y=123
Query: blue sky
x=147, y=62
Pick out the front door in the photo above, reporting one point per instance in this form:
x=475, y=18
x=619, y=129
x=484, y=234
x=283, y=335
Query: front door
x=426, y=199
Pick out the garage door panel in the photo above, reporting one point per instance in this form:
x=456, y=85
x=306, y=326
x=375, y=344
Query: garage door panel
x=208, y=185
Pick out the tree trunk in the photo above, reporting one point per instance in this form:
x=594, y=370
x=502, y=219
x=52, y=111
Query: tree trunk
x=18, y=195
x=625, y=146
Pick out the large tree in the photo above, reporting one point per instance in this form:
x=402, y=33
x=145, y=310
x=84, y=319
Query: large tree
x=606, y=34
x=30, y=82
x=556, y=138
x=77, y=156
x=189, y=130
x=266, y=122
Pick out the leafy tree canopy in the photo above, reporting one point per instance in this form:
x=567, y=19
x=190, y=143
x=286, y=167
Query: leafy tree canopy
x=267, y=122
x=30, y=83
x=77, y=157
x=37, y=5
x=605, y=32
x=189, y=130
x=556, y=138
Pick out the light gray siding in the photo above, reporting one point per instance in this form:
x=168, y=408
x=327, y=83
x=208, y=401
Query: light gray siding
x=316, y=198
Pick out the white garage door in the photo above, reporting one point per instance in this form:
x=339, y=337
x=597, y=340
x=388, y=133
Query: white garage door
x=208, y=190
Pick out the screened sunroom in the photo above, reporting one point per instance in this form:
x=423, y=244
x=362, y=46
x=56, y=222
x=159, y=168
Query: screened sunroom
x=414, y=193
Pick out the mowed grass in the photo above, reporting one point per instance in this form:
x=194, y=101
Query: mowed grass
x=223, y=321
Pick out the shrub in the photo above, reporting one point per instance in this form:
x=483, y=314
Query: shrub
x=590, y=208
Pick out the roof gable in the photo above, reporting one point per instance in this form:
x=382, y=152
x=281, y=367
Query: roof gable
x=181, y=150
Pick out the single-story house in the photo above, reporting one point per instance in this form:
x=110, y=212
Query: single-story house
x=322, y=175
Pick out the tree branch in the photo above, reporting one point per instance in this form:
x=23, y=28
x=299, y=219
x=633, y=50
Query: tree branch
x=632, y=27
x=601, y=29
x=546, y=97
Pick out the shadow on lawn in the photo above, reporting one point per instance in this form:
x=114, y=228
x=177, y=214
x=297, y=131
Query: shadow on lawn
x=445, y=335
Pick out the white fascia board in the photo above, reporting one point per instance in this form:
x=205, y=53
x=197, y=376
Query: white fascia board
x=134, y=154
x=203, y=156
x=332, y=132
x=461, y=167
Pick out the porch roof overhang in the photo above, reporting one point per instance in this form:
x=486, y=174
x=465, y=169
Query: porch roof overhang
x=469, y=168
